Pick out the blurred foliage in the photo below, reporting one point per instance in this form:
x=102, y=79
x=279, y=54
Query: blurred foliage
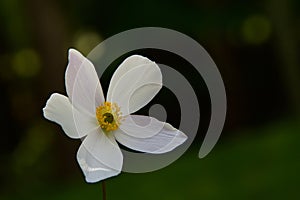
x=261, y=163
x=255, y=45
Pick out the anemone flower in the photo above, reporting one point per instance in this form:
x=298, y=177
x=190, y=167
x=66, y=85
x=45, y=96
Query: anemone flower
x=101, y=123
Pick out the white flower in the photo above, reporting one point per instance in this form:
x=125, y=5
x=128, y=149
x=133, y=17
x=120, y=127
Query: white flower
x=85, y=114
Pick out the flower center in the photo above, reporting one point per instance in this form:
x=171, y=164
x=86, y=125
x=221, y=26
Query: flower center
x=109, y=116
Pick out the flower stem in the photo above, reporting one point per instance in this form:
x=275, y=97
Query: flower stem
x=103, y=190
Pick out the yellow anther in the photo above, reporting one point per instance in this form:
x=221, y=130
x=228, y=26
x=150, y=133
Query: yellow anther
x=109, y=116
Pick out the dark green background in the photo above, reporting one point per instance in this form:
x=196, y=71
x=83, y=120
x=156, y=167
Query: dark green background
x=255, y=45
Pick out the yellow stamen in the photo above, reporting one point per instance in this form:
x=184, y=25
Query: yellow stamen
x=109, y=116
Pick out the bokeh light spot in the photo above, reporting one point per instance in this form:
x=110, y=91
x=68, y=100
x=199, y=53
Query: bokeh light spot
x=256, y=29
x=26, y=63
x=87, y=40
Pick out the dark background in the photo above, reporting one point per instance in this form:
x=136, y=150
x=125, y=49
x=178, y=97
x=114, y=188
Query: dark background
x=255, y=45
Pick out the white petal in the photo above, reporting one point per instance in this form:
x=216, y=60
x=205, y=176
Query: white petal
x=82, y=83
x=134, y=84
x=92, y=169
x=140, y=126
x=103, y=147
x=164, y=141
x=75, y=61
x=128, y=64
x=59, y=109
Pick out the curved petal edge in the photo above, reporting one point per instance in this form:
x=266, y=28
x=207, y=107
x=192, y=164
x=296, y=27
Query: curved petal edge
x=60, y=110
x=93, y=169
x=166, y=140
